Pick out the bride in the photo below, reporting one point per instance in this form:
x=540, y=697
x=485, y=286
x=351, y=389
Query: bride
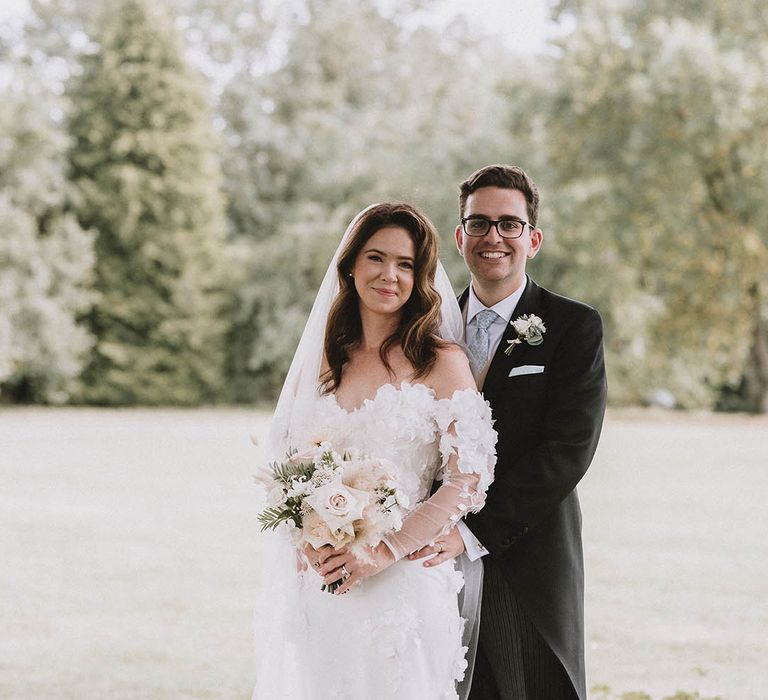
x=376, y=370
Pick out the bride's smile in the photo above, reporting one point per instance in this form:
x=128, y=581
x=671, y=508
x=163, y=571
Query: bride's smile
x=383, y=271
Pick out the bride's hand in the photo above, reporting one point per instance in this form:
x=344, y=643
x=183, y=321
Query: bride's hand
x=448, y=546
x=344, y=566
x=316, y=557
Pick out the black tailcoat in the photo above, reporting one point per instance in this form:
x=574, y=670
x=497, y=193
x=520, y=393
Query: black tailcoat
x=548, y=424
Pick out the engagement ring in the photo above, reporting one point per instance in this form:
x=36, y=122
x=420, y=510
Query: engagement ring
x=439, y=546
x=344, y=573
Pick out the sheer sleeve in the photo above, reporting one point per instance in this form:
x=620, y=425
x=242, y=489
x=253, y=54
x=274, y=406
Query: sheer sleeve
x=467, y=450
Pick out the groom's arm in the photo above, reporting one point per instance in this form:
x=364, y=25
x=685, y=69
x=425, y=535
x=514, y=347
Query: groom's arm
x=528, y=490
x=472, y=546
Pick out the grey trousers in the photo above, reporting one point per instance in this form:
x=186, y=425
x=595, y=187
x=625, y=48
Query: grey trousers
x=513, y=660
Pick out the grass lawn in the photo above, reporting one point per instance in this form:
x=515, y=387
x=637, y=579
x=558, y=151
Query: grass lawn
x=130, y=557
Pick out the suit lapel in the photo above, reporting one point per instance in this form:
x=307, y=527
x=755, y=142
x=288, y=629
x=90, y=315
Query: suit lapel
x=462, y=299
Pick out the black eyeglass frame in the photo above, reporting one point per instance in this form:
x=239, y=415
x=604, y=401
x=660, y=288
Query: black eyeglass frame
x=491, y=223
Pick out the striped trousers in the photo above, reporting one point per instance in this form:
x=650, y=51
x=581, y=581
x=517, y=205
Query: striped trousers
x=513, y=660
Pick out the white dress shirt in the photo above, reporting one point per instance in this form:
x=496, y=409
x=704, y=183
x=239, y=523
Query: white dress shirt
x=505, y=308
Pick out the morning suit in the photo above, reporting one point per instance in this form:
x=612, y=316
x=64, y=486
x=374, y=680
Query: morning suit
x=548, y=403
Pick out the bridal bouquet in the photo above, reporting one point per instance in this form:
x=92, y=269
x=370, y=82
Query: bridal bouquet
x=325, y=497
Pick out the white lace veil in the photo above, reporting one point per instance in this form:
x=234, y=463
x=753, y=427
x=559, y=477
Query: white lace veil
x=300, y=390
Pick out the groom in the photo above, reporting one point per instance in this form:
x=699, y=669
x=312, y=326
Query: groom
x=548, y=397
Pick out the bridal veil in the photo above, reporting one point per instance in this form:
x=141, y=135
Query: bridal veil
x=277, y=617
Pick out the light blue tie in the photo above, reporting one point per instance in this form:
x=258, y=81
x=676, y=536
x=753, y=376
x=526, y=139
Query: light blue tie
x=478, y=345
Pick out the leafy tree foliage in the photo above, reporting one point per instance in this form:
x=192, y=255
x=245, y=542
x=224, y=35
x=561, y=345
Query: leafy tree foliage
x=144, y=164
x=657, y=134
x=46, y=258
x=359, y=109
x=645, y=127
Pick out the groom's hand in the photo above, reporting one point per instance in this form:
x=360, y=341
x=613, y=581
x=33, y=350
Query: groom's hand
x=448, y=546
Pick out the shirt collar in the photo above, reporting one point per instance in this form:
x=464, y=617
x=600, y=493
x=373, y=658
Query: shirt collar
x=505, y=308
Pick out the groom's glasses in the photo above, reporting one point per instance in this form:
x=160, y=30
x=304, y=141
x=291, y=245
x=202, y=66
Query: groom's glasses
x=507, y=228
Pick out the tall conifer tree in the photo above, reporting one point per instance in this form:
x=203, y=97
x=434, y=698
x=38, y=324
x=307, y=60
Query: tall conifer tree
x=144, y=164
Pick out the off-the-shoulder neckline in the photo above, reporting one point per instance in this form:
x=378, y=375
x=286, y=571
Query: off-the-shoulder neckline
x=404, y=386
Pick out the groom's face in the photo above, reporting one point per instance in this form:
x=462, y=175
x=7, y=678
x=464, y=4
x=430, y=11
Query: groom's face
x=497, y=264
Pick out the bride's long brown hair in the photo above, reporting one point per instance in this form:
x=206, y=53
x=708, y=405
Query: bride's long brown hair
x=417, y=331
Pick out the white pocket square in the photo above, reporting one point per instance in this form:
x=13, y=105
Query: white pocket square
x=526, y=369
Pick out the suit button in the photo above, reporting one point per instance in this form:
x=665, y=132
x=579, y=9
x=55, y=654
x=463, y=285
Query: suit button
x=508, y=542
x=525, y=529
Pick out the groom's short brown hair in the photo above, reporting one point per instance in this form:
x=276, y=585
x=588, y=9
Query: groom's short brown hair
x=509, y=177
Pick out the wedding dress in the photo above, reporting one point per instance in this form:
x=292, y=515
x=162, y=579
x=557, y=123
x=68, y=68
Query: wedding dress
x=397, y=634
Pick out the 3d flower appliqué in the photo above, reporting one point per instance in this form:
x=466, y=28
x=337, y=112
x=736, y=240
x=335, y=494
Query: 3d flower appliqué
x=529, y=328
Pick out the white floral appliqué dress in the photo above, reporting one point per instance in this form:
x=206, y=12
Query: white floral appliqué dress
x=397, y=634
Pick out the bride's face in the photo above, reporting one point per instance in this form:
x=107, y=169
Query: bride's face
x=383, y=270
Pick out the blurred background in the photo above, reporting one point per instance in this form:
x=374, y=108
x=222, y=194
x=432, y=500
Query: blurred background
x=175, y=175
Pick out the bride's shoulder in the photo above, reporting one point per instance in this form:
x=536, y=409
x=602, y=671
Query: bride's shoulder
x=448, y=351
x=451, y=372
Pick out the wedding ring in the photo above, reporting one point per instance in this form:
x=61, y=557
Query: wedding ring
x=439, y=546
x=344, y=573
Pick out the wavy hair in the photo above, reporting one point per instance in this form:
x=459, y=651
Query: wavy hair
x=417, y=331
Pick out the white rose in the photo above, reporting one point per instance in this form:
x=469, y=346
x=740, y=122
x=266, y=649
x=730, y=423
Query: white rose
x=338, y=505
x=530, y=328
x=521, y=325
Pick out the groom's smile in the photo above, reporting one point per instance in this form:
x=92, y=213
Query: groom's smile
x=493, y=255
x=497, y=263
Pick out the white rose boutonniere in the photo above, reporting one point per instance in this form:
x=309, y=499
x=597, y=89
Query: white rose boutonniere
x=529, y=328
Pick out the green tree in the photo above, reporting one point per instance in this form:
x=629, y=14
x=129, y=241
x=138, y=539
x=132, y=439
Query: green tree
x=658, y=140
x=46, y=258
x=363, y=106
x=220, y=36
x=144, y=164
